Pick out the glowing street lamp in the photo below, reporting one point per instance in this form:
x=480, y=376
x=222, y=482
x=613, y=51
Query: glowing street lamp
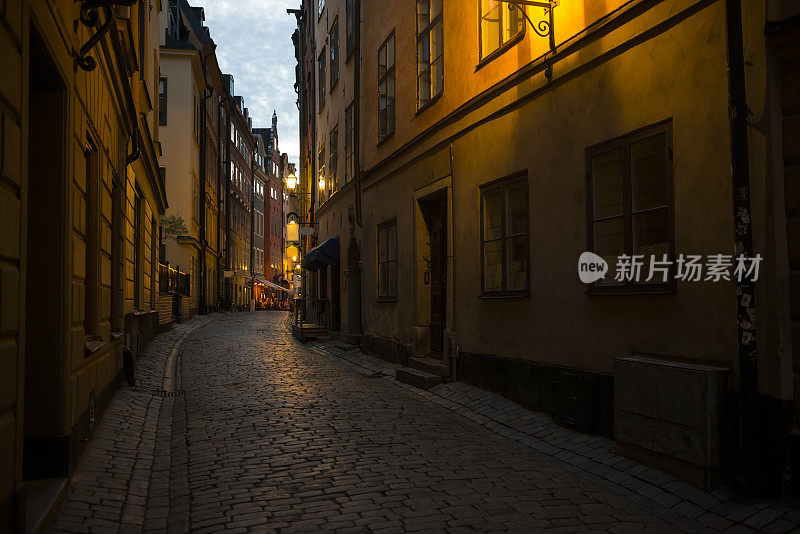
x=291, y=182
x=321, y=182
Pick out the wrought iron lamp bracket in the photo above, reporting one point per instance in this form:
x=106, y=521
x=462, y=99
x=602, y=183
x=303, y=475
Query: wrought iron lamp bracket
x=544, y=28
x=90, y=17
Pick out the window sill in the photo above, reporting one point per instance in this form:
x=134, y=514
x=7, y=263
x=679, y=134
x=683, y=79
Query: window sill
x=382, y=140
x=501, y=296
x=92, y=346
x=659, y=289
x=386, y=299
x=429, y=104
x=500, y=51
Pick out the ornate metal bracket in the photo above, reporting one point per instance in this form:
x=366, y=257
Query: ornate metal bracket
x=544, y=28
x=90, y=17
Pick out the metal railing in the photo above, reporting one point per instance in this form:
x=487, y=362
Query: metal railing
x=173, y=281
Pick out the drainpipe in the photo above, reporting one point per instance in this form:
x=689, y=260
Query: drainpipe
x=357, y=111
x=743, y=234
x=226, y=196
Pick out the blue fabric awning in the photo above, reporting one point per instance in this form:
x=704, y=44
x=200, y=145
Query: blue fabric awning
x=322, y=255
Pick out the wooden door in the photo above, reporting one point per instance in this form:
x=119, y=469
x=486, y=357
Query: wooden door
x=438, y=240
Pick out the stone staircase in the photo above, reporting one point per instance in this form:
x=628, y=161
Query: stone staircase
x=423, y=372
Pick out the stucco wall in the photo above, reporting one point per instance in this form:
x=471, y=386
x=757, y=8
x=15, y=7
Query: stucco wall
x=677, y=73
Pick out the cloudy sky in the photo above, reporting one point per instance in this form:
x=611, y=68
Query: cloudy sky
x=254, y=43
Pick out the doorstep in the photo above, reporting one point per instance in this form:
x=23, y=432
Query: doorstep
x=43, y=499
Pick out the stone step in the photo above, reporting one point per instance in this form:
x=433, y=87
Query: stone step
x=417, y=378
x=43, y=500
x=429, y=365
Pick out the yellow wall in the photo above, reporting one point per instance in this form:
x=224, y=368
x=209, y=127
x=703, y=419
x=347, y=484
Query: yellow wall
x=93, y=110
x=606, y=88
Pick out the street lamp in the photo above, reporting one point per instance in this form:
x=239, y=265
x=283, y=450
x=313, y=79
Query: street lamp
x=291, y=182
x=321, y=182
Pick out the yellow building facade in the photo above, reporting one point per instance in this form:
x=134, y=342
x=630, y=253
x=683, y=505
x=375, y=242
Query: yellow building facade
x=191, y=90
x=81, y=200
x=487, y=137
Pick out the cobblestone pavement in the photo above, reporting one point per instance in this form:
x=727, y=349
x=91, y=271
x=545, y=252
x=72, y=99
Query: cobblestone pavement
x=269, y=435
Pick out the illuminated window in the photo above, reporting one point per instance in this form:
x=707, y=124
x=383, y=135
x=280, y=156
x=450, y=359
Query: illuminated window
x=430, y=51
x=386, y=79
x=333, y=161
x=505, y=237
x=630, y=189
x=500, y=22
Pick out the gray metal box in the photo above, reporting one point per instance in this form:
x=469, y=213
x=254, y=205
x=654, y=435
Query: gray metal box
x=673, y=416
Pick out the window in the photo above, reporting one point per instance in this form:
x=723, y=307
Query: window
x=386, y=80
x=320, y=7
x=499, y=25
x=138, y=221
x=162, y=101
x=334, y=46
x=430, y=51
x=195, y=201
x=333, y=162
x=321, y=81
x=350, y=26
x=630, y=205
x=505, y=255
x=90, y=240
x=349, y=143
x=321, y=164
x=173, y=19
x=387, y=260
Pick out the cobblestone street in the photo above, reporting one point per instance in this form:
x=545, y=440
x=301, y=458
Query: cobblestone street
x=255, y=432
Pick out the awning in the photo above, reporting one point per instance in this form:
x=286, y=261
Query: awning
x=267, y=283
x=322, y=255
x=279, y=288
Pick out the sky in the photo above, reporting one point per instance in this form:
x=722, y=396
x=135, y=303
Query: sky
x=254, y=44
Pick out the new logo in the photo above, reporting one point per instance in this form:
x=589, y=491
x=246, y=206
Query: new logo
x=591, y=267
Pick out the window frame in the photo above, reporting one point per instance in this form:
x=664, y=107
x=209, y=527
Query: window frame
x=333, y=55
x=333, y=159
x=502, y=184
x=321, y=77
x=162, y=100
x=382, y=227
x=349, y=142
x=350, y=31
x=624, y=143
x=504, y=47
x=91, y=233
x=428, y=30
x=321, y=168
x=390, y=73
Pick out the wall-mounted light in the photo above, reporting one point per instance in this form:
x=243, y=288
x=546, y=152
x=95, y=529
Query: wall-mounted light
x=291, y=182
x=321, y=182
